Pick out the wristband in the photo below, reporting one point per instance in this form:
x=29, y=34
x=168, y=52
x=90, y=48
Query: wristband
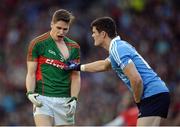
x=29, y=92
x=74, y=98
x=82, y=68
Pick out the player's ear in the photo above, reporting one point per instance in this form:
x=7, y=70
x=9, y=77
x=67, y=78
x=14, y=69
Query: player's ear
x=51, y=24
x=103, y=33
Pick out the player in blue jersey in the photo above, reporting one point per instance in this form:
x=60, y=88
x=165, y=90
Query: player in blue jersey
x=150, y=93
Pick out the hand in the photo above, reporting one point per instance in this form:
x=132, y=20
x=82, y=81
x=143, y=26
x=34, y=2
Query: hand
x=73, y=66
x=32, y=97
x=137, y=101
x=72, y=106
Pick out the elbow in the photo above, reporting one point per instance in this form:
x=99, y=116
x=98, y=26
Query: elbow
x=32, y=75
x=137, y=81
x=105, y=67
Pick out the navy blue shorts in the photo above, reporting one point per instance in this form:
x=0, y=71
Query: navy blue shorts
x=156, y=105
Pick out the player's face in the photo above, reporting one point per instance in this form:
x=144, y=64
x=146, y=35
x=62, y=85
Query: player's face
x=98, y=37
x=59, y=30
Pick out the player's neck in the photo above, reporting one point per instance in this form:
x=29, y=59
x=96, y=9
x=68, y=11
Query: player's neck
x=106, y=43
x=60, y=41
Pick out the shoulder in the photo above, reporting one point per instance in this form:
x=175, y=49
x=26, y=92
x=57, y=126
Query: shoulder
x=124, y=45
x=71, y=43
x=121, y=48
x=38, y=39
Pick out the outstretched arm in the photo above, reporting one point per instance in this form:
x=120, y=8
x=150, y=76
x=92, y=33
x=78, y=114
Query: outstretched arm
x=97, y=66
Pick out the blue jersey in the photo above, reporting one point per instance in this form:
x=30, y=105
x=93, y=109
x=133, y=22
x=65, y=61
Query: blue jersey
x=121, y=54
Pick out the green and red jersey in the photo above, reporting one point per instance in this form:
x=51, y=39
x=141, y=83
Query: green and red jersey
x=51, y=79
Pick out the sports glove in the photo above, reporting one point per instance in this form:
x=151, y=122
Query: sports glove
x=32, y=97
x=73, y=66
x=72, y=106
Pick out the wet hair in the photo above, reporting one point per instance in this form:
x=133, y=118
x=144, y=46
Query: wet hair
x=106, y=24
x=62, y=15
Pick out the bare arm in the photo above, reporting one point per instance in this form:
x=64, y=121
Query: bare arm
x=75, y=83
x=31, y=76
x=135, y=79
x=97, y=66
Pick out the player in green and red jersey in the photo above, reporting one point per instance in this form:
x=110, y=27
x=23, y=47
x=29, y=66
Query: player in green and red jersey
x=52, y=90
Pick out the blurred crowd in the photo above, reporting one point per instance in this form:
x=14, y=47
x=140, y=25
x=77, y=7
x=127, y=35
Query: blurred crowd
x=151, y=26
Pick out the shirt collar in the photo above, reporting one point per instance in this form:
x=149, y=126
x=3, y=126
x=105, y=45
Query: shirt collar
x=113, y=40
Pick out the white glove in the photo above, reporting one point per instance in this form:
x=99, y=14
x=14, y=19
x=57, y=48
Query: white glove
x=72, y=106
x=32, y=97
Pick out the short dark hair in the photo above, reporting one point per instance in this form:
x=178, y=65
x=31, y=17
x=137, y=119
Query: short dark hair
x=63, y=15
x=106, y=24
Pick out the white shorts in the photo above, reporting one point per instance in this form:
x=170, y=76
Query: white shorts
x=54, y=107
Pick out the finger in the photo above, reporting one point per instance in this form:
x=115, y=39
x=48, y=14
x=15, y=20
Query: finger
x=66, y=104
x=69, y=112
x=72, y=111
x=37, y=103
x=34, y=108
